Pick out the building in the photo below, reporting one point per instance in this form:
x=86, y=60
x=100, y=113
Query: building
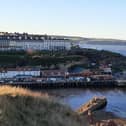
x=106, y=69
x=16, y=41
x=54, y=73
x=4, y=44
x=102, y=77
x=16, y=72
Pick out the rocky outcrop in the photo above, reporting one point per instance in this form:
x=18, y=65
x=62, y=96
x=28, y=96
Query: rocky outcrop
x=111, y=122
x=94, y=104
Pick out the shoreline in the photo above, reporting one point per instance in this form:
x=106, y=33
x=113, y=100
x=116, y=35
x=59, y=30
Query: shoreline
x=104, y=117
x=74, y=98
x=11, y=96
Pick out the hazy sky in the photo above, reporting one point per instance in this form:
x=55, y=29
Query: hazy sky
x=87, y=18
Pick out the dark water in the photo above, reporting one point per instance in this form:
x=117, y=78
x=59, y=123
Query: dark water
x=76, y=69
x=114, y=48
x=77, y=97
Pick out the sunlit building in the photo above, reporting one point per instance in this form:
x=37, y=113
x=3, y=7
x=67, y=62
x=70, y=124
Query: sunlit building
x=16, y=41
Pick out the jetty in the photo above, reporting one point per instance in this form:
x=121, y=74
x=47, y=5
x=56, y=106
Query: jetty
x=83, y=84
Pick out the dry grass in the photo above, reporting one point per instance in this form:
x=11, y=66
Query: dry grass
x=21, y=107
x=17, y=91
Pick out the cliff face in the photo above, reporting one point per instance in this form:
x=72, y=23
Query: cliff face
x=19, y=107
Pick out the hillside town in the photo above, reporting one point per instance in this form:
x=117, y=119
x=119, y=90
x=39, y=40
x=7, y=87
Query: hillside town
x=31, y=68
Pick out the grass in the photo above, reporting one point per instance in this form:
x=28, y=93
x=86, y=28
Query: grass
x=21, y=107
x=17, y=91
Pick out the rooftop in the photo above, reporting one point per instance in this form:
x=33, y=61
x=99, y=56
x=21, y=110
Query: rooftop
x=26, y=36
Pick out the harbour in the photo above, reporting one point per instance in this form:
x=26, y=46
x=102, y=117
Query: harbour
x=63, y=63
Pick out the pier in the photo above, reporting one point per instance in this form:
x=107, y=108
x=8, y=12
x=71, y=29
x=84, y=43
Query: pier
x=95, y=84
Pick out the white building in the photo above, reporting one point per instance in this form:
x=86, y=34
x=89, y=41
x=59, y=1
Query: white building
x=40, y=44
x=107, y=70
x=11, y=73
x=27, y=44
x=26, y=41
x=58, y=44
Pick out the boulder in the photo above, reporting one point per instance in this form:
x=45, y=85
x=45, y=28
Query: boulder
x=94, y=104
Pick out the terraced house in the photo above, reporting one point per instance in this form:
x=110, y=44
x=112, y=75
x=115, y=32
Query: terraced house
x=17, y=41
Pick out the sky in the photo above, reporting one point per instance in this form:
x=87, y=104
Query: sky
x=85, y=18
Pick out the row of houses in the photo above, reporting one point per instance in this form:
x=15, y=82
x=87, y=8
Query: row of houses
x=35, y=45
x=31, y=72
x=38, y=73
x=22, y=72
x=25, y=41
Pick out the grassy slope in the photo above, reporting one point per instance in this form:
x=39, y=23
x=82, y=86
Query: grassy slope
x=46, y=59
x=19, y=107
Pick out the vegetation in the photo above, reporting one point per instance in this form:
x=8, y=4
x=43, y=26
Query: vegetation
x=21, y=107
x=84, y=57
x=34, y=58
x=118, y=61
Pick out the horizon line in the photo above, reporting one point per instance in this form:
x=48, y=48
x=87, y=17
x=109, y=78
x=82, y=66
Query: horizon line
x=63, y=35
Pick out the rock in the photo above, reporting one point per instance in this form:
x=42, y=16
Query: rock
x=109, y=123
x=93, y=105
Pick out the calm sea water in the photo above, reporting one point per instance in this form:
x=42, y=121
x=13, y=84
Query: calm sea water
x=115, y=48
x=77, y=97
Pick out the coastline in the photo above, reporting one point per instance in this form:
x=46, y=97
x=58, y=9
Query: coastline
x=30, y=101
x=76, y=97
x=102, y=117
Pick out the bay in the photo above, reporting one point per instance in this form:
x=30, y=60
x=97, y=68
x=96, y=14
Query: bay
x=114, y=48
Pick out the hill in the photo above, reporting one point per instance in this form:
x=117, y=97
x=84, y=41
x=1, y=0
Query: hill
x=47, y=60
x=102, y=41
x=21, y=107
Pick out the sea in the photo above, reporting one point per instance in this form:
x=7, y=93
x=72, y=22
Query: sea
x=111, y=47
x=75, y=98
